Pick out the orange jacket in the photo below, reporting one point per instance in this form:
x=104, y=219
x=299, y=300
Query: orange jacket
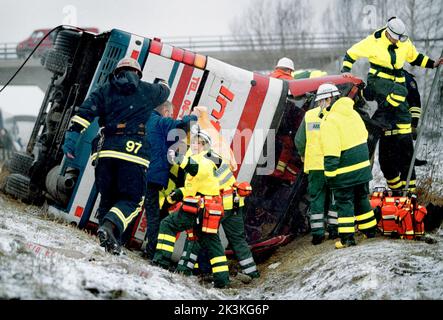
x=280, y=74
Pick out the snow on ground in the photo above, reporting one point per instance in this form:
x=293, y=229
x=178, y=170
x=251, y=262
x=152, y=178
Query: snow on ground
x=45, y=259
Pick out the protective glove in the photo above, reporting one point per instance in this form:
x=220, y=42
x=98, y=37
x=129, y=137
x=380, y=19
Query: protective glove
x=71, y=138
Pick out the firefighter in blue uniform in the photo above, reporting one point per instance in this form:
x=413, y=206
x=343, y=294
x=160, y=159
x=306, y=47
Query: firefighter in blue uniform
x=123, y=106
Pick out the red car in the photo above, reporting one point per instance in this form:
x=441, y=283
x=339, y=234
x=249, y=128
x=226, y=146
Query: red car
x=25, y=47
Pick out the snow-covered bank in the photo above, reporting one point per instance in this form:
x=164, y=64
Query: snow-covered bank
x=44, y=259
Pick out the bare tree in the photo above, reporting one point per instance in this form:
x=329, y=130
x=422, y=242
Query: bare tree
x=272, y=27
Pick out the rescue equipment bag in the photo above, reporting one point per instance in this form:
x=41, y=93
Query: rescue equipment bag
x=400, y=216
x=212, y=215
x=191, y=204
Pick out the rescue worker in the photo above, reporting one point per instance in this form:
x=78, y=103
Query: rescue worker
x=307, y=141
x=343, y=137
x=387, y=50
x=232, y=222
x=283, y=70
x=201, y=203
x=286, y=168
x=158, y=127
x=123, y=105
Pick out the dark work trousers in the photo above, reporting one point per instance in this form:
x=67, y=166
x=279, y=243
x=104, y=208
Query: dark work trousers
x=153, y=216
x=395, y=155
x=122, y=187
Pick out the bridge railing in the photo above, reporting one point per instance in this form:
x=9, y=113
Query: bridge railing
x=320, y=41
x=7, y=50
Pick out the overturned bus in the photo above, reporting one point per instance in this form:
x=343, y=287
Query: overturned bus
x=237, y=100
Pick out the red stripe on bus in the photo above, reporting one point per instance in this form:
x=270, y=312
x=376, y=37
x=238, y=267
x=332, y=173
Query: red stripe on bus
x=251, y=112
x=180, y=92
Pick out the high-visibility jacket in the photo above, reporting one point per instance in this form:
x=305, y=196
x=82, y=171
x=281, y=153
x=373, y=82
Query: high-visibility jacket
x=343, y=137
x=280, y=74
x=307, y=141
x=204, y=181
x=386, y=59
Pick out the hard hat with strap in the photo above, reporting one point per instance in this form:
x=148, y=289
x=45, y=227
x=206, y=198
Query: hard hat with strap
x=285, y=63
x=196, y=131
x=129, y=63
x=326, y=90
x=397, y=29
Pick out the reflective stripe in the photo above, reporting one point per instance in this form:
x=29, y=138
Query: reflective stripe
x=365, y=216
x=394, y=180
x=220, y=269
x=190, y=265
x=398, y=97
x=346, y=220
x=131, y=216
x=409, y=232
x=347, y=169
x=387, y=76
x=184, y=254
x=412, y=182
x=415, y=109
x=398, y=131
x=83, y=122
x=347, y=64
x=291, y=171
x=388, y=217
x=166, y=237
x=346, y=229
x=395, y=186
x=246, y=261
x=181, y=262
x=404, y=126
x=332, y=221
x=122, y=156
x=196, y=266
x=424, y=62
x=368, y=225
x=333, y=214
x=193, y=257
x=392, y=102
x=317, y=216
x=317, y=225
x=165, y=247
x=226, y=179
x=209, y=230
x=250, y=270
x=222, y=169
x=218, y=259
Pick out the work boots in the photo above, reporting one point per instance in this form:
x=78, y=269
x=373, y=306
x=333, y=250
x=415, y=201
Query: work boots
x=317, y=239
x=107, y=238
x=345, y=242
x=370, y=233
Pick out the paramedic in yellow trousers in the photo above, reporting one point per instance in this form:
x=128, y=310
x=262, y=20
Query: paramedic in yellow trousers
x=347, y=168
x=232, y=222
x=200, y=196
x=388, y=49
x=307, y=141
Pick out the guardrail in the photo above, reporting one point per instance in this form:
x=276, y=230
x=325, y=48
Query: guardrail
x=7, y=50
x=320, y=41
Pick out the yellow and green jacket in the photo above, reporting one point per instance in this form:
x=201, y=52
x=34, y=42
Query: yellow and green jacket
x=343, y=138
x=386, y=59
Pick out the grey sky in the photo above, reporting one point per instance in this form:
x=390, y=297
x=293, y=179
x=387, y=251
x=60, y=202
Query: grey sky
x=166, y=18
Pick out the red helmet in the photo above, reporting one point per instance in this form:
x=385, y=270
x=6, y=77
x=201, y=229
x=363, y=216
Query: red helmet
x=129, y=63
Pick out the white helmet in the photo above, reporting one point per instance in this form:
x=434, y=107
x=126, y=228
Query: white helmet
x=326, y=90
x=285, y=63
x=196, y=131
x=129, y=63
x=397, y=29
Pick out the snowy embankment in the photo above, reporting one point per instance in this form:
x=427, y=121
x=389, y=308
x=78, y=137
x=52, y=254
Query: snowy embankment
x=44, y=259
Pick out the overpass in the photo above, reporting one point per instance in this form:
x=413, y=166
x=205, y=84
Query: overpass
x=309, y=51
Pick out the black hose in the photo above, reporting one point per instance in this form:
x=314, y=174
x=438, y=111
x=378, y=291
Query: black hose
x=36, y=47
